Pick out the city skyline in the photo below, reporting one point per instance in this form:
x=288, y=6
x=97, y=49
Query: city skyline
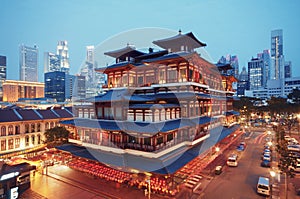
x=231, y=27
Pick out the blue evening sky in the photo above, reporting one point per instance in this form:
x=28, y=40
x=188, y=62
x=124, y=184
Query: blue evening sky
x=232, y=27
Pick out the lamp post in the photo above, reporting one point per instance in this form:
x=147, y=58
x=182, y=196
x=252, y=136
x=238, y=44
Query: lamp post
x=149, y=188
x=272, y=174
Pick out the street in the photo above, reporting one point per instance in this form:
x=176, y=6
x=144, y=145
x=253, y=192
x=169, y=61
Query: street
x=240, y=182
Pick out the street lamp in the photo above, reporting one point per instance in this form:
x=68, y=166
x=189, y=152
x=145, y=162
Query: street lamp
x=272, y=174
x=217, y=149
x=149, y=188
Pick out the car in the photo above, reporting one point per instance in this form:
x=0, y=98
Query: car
x=218, y=170
x=267, y=151
x=295, y=148
x=265, y=163
x=267, y=157
x=240, y=148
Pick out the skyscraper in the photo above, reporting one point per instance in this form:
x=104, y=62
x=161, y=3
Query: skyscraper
x=266, y=58
x=277, y=54
x=94, y=80
x=287, y=69
x=2, y=74
x=62, y=51
x=28, y=63
x=242, y=83
x=55, y=85
x=255, y=73
x=51, y=62
x=234, y=62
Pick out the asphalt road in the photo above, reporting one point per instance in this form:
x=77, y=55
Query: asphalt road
x=240, y=182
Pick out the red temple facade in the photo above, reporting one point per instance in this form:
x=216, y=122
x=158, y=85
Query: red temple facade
x=159, y=110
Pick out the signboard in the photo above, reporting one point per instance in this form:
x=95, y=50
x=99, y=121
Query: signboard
x=14, y=193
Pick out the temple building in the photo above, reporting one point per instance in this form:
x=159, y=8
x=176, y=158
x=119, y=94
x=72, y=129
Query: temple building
x=159, y=111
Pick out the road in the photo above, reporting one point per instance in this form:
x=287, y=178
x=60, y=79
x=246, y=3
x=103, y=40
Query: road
x=240, y=182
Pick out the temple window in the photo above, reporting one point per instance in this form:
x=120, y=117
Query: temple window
x=139, y=115
x=148, y=116
x=118, y=114
x=100, y=112
x=162, y=115
x=108, y=113
x=130, y=115
x=162, y=76
x=172, y=75
x=156, y=115
x=182, y=73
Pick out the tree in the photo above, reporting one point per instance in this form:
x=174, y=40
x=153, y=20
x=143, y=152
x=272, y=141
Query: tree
x=277, y=105
x=285, y=160
x=295, y=96
x=57, y=135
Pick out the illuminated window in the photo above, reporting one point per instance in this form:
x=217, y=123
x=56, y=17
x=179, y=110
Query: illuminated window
x=26, y=128
x=27, y=140
x=39, y=139
x=3, y=145
x=17, y=130
x=17, y=143
x=3, y=131
x=33, y=139
x=10, y=130
x=11, y=144
x=38, y=127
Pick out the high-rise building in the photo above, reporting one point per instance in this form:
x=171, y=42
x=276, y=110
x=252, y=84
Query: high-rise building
x=51, y=62
x=75, y=87
x=62, y=86
x=62, y=51
x=233, y=61
x=55, y=85
x=28, y=63
x=255, y=73
x=2, y=74
x=277, y=54
x=94, y=80
x=265, y=56
x=242, y=83
x=288, y=69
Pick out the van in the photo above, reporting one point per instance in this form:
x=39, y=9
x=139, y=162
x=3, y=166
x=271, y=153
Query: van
x=232, y=160
x=263, y=186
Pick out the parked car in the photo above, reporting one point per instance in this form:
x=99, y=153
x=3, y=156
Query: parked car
x=267, y=157
x=267, y=151
x=265, y=163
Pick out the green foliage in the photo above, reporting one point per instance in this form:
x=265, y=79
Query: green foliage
x=57, y=135
x=295, y=96
x=285, y=160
